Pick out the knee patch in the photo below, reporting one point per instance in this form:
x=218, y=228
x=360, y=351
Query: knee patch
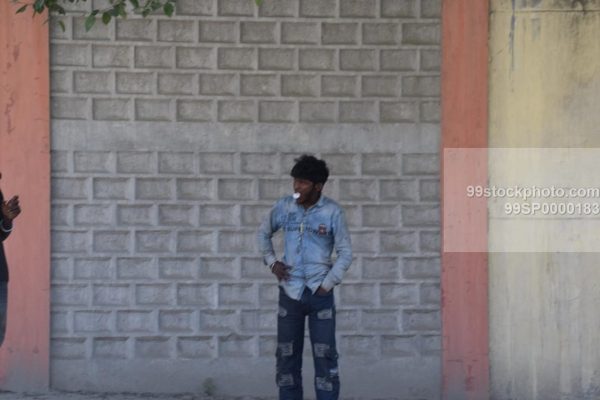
x=284, y=380
x=323, y=383
x=325, y=314
x=321, y=350
x=285, y=349
x=282, y=312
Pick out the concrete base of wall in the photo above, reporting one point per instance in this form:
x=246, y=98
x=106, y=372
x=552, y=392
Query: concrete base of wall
x=360, y=377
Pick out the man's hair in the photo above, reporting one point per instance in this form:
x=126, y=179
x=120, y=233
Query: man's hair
x=310, y=168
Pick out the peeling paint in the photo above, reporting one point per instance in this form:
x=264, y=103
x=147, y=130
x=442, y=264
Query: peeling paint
x=8, y=113
x=16, y=51
x=536, y=28
x=511, y=37
x=469, y=379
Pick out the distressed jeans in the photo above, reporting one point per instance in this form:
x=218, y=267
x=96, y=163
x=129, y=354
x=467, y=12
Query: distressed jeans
x=320, y=310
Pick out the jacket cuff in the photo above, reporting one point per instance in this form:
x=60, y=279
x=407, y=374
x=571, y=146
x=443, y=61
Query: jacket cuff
x=328, y=283
x=4, y=228
x=270, y=259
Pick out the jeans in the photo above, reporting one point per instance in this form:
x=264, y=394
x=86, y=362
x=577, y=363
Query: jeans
x=3, y=309
x=290, y=343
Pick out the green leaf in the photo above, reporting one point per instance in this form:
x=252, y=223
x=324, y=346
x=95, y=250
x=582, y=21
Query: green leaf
x=135, y=3
x=21, y=9
x=258, y=2
x=106, y=17
x=90, y=21
x=62, y=25
x=168, y=9
x=38, y=6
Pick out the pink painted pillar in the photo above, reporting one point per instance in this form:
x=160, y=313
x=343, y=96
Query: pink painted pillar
x=465, y=359
x=25, y=167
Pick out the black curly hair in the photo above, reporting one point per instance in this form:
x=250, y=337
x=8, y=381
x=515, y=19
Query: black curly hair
x=310, y=168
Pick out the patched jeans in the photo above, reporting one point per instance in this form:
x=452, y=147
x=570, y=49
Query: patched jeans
x=290, y=343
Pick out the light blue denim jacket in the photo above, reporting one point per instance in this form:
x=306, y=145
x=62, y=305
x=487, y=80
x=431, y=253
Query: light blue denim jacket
x=309, y=239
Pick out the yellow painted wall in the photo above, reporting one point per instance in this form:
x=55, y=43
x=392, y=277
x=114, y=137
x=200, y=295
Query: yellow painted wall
x=544, y=92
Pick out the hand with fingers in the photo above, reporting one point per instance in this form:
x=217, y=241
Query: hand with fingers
x=322, y=291
x=281, y=271
x=9, y=209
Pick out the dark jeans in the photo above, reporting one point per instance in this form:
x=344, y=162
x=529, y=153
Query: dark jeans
x=290, y=343
x=3, y=309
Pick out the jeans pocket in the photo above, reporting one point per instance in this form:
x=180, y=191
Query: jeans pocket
x=329, y=293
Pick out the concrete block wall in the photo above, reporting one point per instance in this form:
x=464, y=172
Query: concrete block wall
x=171, y=138
x=309, y=61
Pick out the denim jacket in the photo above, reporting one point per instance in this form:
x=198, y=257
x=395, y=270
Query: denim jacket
x=310, y=235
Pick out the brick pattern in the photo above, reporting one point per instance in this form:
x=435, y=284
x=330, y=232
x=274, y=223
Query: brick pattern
x=154, y=254
x=310, y=61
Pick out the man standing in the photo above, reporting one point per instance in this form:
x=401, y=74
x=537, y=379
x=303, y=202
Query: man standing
x=8, y=212
x=313, y=226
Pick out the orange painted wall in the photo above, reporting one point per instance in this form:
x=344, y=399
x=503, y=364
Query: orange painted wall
x=465, y=338
x=25, y=167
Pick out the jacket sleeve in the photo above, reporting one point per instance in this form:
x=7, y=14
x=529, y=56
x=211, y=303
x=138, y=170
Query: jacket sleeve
x=269, y=226
x=343, y=250
x=4, y=233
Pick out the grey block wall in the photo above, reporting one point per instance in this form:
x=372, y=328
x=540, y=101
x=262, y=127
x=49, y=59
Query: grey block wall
x=171, y=138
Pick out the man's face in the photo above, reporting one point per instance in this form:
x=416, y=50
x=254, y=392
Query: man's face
x=309, y=191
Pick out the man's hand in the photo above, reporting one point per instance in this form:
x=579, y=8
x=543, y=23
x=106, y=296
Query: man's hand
x=11, y=209
x=322, y=291
x=281, y=271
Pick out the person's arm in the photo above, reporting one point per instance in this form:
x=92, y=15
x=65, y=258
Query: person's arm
x=269, y=226
x=8, y=212
x=5, y=228
x=343, y=249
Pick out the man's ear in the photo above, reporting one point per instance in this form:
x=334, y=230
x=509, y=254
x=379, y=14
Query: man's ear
x=319, y=186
